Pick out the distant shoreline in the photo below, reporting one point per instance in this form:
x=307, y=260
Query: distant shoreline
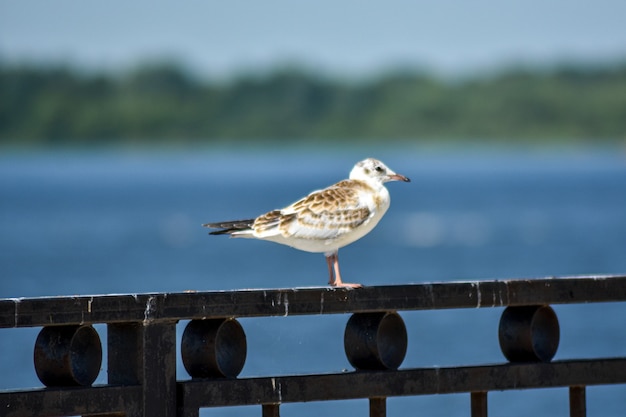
x=162, y=105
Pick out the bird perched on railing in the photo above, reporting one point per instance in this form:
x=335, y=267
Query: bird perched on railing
x=325, y=220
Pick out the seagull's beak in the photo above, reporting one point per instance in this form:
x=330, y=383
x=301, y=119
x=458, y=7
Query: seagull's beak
x=398, y=177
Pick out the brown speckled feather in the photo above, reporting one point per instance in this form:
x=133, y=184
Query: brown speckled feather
x=323, y=214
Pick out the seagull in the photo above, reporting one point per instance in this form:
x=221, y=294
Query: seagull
x=325, y=220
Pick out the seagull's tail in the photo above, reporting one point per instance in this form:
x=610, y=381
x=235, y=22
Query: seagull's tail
x=230, y=227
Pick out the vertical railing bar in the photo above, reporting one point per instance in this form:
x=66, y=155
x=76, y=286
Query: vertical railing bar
x=479, y=404
x=145, y=354
x=271, y=410
x=378, y=407
x=577, y=401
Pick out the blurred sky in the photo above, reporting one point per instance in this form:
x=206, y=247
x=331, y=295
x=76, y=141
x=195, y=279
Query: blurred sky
x=344, y=37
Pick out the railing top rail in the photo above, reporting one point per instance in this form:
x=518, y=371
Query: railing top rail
x=45, y=311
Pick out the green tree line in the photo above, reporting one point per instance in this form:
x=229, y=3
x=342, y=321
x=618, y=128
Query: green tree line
x=164, y=103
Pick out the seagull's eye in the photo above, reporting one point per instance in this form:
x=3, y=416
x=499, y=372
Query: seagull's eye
x=379, y=168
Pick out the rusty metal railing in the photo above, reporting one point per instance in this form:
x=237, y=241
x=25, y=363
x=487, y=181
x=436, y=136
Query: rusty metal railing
x=142, y=348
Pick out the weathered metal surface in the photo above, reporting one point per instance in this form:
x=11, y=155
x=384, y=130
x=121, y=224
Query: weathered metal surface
x=141, y=340
x=213, y=348
x=378, y=407
x=478, y=404
x=271, y=410
x=109, y=400
x=422, y=381
x=375, y=340
x=529, y=333
x=30, y=312
x=145, y=354
x=577, y=401
x=67, y=355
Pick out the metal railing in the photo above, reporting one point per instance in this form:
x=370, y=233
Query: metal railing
x=142, y=348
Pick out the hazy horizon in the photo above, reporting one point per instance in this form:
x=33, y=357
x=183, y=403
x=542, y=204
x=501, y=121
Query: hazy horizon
x=346, y=38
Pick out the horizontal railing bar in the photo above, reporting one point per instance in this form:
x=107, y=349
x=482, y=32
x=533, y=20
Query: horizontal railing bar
x=200, y=393
x=30, y=312
x=107, y=399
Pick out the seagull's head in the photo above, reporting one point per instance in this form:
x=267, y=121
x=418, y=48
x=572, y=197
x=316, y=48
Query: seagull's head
x=372, y=170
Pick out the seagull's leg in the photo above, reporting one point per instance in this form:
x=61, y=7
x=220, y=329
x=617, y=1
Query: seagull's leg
x=329, y=262
x=338, y=281
x=334, y=258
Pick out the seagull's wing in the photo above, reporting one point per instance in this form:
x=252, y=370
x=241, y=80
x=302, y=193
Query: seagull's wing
x=323, y=214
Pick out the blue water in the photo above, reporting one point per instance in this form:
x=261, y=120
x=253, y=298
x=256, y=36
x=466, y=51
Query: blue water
x=127, y=222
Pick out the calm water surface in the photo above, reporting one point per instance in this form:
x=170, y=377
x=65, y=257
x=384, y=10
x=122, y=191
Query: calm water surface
x=114, y=222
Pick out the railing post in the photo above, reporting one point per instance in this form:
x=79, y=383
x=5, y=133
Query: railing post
x=378, y=407
x=145, y=354
x=479, y=404
x=577, y=402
